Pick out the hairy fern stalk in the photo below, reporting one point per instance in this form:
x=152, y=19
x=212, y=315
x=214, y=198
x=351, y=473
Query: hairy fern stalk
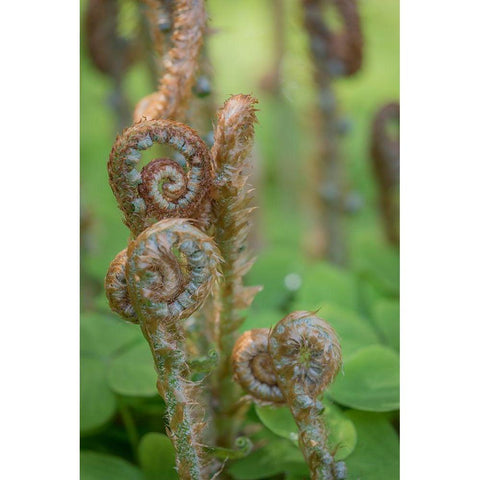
x=231, y=207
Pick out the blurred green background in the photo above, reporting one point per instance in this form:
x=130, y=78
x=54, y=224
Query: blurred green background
x=121, y=416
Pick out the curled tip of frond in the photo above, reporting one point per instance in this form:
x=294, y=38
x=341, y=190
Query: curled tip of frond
x=116, y=289
x=302, y=349
x=235, y=129
x=162, y=188
x=252, y=366
x=306, y=345
x=171, y=269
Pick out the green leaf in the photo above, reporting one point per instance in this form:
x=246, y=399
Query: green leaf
x=371, y=380
x=277, y=456
x=386, y=315
x=97, y=402
x=133, y=373
x=157, y=457
x=376, y=456
x=279, y=420
x=369, y=295
x=103, y=334
x=353, y=331
x=98, y=466
x=270, y=270
x=341, y=430
x=380, y=264
x=323, y=283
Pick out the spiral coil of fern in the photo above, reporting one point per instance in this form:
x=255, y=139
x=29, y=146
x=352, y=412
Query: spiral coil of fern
x=169, y=271
x=162, y=189
x=293, y=364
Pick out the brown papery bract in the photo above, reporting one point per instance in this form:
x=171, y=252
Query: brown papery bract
x=179, y=65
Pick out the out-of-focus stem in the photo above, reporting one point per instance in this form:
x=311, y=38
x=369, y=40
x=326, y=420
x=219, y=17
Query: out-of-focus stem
x=272, y=80
x=332, y=171
x=334, y=54
x=130, y=426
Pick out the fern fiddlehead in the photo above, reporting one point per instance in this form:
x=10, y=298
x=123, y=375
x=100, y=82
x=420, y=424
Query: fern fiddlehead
x=169, y=271
x=162, y=189
x=293, y=364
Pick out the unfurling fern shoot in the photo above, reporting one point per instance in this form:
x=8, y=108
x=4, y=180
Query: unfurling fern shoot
x=231, y=208
x=164, y=276
x=293, y=364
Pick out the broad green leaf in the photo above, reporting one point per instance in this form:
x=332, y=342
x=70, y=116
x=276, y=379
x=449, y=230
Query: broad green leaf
x=104, y=334
x=133, y=373
x=270, y=270
x=376, y=456
x=371, y=380
x=380, y=264
x=353, y=331
x=279, y=455
x=101, y=336
x=386, y=315
x=156, y=456
x=279, y=420
x=324, y=283
x=97, y=402
x=341, y=430
x=98, y=466
x=369, y=295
